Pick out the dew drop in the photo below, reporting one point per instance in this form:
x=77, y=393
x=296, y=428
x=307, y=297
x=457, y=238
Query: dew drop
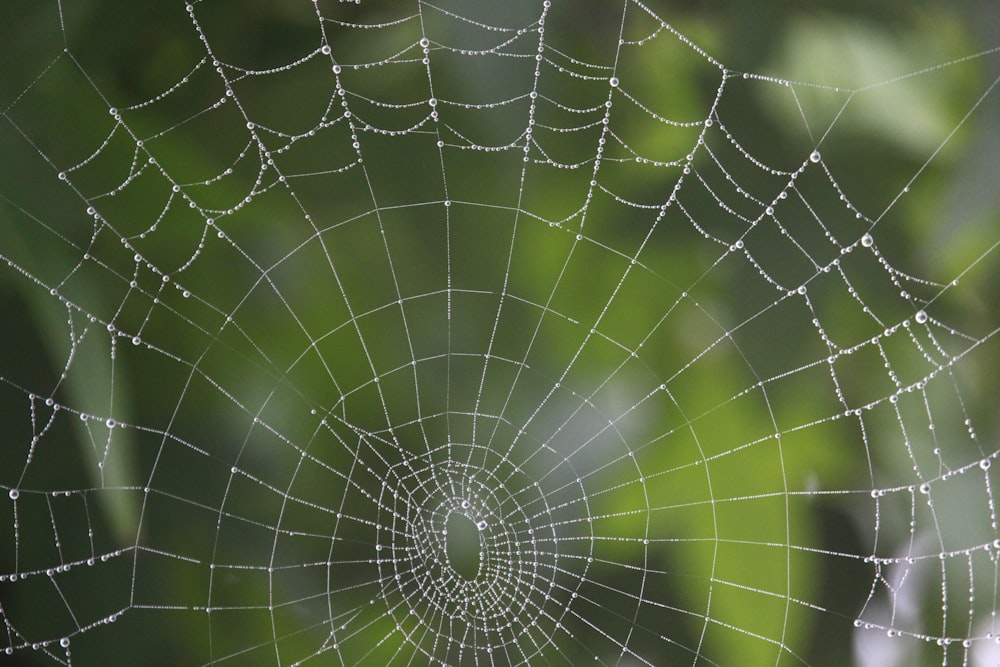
x=920, y=317
x=14, y=494
x=613, y=81
x=867, y=241
x=815, y=157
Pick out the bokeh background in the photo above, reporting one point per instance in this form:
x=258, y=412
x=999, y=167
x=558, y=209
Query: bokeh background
x=179, y=337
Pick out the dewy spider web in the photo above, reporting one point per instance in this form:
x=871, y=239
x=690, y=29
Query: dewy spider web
x=454, y=337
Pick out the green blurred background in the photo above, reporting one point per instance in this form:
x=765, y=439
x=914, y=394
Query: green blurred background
x=246, y=330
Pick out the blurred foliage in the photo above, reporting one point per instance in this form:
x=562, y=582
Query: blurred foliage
x=288, y=362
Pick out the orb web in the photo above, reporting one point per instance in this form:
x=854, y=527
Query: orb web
x=438, y=334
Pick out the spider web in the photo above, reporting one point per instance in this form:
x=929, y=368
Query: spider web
x=447, y=336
